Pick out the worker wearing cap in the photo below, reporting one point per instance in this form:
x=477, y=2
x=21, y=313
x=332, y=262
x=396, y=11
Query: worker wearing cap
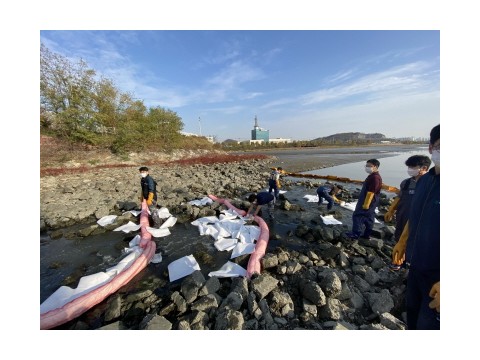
x=328, y=192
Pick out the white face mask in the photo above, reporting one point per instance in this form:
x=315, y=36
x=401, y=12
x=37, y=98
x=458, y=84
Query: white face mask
x=369, y=170
x=143, y=175
x=413, y=171
x=436, y=157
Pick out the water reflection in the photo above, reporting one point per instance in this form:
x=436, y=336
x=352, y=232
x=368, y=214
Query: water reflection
x=392, y=167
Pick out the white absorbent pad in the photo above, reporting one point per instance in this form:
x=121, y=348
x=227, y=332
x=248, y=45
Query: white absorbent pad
x=227, y=244
x=106, y=220
x=242, y=249
x=133, y=212
x=201, y=202
x=230, y=269
x=182, y=267
x=314, y=198
x=280, y=191
x=128, y=227
x=157, y=258
x=330, y=220
x=163, y=213
x=65, y=294
x=172, y=220
x=158, y=232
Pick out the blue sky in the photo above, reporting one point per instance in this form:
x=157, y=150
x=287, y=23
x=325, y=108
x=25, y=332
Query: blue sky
x=300, y=84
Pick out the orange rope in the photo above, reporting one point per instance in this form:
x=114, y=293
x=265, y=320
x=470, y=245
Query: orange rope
x=341, y=179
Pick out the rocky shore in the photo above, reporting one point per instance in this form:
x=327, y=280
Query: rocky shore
x=335, y=283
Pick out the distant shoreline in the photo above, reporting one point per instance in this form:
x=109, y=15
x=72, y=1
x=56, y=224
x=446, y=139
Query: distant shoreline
x=307, y=159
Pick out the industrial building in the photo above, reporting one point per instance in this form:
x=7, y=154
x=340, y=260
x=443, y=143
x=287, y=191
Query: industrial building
x=260, y=134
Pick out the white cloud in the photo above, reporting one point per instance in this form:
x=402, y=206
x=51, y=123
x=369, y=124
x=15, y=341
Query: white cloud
x=403, y=78
x=408, y=115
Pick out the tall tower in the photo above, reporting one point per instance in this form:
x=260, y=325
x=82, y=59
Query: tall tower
x=258, y=133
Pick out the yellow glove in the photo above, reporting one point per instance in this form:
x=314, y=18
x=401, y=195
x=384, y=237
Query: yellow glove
x=278, y=184
x=435, y=294
x=389, y=214
x=398, y=252
x=368, y=200
x=150, y=199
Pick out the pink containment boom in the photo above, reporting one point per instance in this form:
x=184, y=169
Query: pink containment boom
x=79, y=305
x=262, y=242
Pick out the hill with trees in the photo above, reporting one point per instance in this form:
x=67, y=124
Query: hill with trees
x=79, y=107
x=352, y=136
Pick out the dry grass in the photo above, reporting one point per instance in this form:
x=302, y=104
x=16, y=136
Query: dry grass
x=57, y=158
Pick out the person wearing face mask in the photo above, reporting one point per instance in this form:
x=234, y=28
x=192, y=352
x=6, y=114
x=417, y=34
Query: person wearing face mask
x=417, y=166
x=149, y=193
x=419, y=247
x=364, y=214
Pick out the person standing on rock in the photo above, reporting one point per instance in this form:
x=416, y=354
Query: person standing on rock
x=149, y=193
x=257, y=200
x=419, y=247
x=364, y=214
x=274, y=181
x=328, y=192
x=417, y=166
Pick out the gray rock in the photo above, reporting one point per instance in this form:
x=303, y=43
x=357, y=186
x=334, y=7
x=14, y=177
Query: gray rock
x=212, y=285
x=263, y=285
x=313, y=292
x=155, y=322
x=380, y=302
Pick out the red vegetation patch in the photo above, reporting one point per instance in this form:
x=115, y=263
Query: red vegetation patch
x=215, y=159
x=207, y=160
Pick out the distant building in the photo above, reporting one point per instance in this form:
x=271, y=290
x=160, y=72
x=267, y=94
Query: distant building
x=261, y=141
x=280, y=140
x=260, y=134
x=210, y=138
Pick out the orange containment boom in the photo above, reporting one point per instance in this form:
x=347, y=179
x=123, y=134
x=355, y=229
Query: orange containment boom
x=254, y=265
x=340, y=179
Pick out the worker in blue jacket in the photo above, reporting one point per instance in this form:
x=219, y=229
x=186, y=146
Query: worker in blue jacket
x=419, y=247
x=400, y=207
x=274, y=181
x=364, y=214
x=149, y=193
x=328, y=192
x=257, y=200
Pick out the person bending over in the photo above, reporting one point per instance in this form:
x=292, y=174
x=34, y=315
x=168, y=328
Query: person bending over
x=258, y=200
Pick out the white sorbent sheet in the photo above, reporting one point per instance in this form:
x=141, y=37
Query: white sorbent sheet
x=65, y=294
x=128, y=227
x=202, y=202
x=133, y=212
x=106, y=220
x=158, y=232
x=330, y=220
x=242, y=249
x=230, y=269
x=279, y=191
x=223, y=244
x=182, y=267
x=314, y=198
